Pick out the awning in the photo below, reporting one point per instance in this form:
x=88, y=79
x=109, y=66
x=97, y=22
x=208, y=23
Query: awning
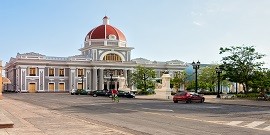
x=5, y=80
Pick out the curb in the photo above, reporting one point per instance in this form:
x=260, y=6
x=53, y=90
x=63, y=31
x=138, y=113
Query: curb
x=5, y=122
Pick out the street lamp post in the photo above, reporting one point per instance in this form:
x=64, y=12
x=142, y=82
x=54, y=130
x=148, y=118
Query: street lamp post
x=111, y=74
x=196, y=66
x=82, y=81
x=218, y=71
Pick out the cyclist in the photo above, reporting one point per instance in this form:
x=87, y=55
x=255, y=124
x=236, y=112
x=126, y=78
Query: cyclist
x=114, y=94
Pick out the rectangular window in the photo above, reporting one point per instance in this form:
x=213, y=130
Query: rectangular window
x=61, y=72
x=51, y=71
x=32, y=71
x=80, y=72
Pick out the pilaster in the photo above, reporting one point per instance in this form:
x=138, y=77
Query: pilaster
x=88, y=79
x=41, y=78
x=101, y=78
x=72, y=84
x=23, y=79
x=94, y=78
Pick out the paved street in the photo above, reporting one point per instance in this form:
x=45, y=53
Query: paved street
x=61, y=113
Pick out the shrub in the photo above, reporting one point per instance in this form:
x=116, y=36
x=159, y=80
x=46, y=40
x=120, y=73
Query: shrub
x=208, y=93
x=143, y=92
x=248, y=95
x=173, y=93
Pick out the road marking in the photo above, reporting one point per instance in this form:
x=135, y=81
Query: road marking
x=267, y=128
x=213, y=107
x=231, y=123
x=161, y=110
x=218, y=122
x=254, y=124
x=234, y=123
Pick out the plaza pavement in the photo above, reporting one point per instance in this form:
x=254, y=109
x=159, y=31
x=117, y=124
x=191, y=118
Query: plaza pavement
x=213, y=100
x=19, y=118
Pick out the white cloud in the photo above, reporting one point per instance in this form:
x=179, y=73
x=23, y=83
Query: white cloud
x=196, y=13
x=197, y=23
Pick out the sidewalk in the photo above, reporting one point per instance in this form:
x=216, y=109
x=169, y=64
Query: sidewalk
x=243, y=102
x=29, y=119
x=212, y=99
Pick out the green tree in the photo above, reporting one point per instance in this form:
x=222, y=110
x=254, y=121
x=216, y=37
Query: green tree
x=208, y=77
x=143, y=77
x=261, y=80
x=179, y=79
x=190, y=85
x=240, y=64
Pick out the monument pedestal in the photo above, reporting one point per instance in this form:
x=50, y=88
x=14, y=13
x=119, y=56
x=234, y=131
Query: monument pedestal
x=164, y=92
x=122, y=84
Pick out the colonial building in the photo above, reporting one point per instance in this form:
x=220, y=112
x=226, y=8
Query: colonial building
x=105, y=53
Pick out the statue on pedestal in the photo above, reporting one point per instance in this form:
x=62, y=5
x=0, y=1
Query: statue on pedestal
x=163, y=90
x=123, y=84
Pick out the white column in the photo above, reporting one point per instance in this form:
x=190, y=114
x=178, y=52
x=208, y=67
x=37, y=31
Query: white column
x=101, y=79
x=41, y=78
x=72, y=73
x=115, y=84
x=18, y=75
x=108, y=85
x=94, y=78
x=88, y=79
x=125, y=73
x=133, y=87
x=23, y=79
x=158, y=74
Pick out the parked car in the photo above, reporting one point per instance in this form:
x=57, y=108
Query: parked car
x=72, y=91
x=122, y=93
x=88, y=91
x=80, y=92
x=188, y=97
x=99, y=93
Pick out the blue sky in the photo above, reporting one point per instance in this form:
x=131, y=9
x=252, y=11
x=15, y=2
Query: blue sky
x=159, y=30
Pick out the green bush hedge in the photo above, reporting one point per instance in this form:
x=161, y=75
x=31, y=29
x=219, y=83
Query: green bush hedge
x=208, y=93
x=248, y=95
x=143, y=92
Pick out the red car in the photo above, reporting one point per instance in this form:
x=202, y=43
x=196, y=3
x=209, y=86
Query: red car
x=188, y=97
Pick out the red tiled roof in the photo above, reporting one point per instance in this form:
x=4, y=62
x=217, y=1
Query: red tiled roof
x=103, y=32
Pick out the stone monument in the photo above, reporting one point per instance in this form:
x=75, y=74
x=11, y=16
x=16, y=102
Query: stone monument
x=123, y=84
x=164, y=92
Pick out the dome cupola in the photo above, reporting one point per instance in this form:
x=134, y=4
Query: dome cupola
x=105, y=32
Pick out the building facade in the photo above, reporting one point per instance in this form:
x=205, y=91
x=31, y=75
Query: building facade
x=1, y=80
x=105, y=52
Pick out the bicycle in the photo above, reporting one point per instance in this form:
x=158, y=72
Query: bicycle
x=116, y=98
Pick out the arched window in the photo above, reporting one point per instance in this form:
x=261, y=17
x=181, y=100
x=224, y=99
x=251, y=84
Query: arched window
x=112, y=57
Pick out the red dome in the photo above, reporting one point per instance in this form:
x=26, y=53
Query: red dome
x=104, y=31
